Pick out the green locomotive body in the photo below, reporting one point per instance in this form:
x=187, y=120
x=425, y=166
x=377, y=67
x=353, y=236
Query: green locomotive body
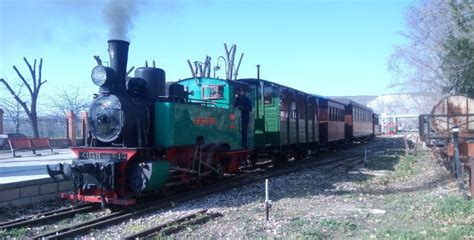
x=181, y=124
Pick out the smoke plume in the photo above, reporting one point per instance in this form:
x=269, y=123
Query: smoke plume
x=119, y=15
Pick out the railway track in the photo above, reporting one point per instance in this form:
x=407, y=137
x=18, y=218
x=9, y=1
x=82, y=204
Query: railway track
x=169, y=202
x=48, y=216
x=174, y=225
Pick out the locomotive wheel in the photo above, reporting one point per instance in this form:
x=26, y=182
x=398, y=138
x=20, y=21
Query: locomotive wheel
x=300, y=154
x=214, y=176
x=281, y=159
x=315, y=153
x=252, y=160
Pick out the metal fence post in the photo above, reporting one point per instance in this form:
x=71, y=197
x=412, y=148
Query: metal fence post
x=457, y=161
x=365, y=155
x=268, y=202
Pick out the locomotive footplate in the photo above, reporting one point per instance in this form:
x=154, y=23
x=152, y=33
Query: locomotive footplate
x=98, y=199
x=93, y=180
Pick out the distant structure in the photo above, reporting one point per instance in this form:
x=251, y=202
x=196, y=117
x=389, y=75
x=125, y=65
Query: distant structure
x=401, y=109
x=398, y=103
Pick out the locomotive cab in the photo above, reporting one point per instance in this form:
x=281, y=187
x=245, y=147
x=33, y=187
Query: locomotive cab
x=205, y=107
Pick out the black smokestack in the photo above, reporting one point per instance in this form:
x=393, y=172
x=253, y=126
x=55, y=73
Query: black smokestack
x=118, y=52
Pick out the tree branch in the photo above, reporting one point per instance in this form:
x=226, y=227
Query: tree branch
x=40, y=69
x=23, y=104
x=97, y=59
x=32, y=72
x=23, y=80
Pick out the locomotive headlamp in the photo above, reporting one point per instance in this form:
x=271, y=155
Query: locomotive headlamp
x=102, y=76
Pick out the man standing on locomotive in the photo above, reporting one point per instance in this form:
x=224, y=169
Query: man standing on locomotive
x=243, y=103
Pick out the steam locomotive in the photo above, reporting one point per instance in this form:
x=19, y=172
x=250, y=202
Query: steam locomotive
x=144, y=140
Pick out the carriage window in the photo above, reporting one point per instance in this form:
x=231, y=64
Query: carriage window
x=268, y=95
x=316, y=114
x=213, y=92
x=293, y=110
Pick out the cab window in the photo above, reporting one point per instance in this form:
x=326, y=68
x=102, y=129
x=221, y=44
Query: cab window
x=268, y=95
x=213, y=92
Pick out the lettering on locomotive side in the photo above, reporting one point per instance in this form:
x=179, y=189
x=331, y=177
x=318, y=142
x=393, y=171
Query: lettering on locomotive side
x=102, y=155
x=204, y=121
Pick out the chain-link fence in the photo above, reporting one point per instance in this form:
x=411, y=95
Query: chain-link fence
x=50, y=127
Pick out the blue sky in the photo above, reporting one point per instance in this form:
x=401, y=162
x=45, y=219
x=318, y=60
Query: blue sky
x=332, y=48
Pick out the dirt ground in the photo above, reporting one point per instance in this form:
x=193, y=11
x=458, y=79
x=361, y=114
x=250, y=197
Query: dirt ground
x=392, y=196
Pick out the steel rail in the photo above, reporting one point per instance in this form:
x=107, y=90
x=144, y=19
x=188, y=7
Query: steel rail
x=146, y=233
x=48, y=216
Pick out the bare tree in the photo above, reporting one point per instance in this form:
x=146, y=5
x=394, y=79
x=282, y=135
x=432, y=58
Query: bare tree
x=13, y=110
x=421, y=62
x=69, y=100
x=203, y=69
x=232, y=69
x=33, y=86
x=417, y=62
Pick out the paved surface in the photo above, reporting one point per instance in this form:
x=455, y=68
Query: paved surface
x=29, y=166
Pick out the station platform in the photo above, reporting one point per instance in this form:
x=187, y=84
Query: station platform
x=30, y=166
x=24, y=180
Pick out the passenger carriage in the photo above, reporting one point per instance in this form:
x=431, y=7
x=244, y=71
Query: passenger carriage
x=358, y=122
x=331, y=126
x=286, y=120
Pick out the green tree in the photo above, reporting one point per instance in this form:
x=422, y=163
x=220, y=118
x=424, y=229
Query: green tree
x=458, y=56
x=458, y=66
